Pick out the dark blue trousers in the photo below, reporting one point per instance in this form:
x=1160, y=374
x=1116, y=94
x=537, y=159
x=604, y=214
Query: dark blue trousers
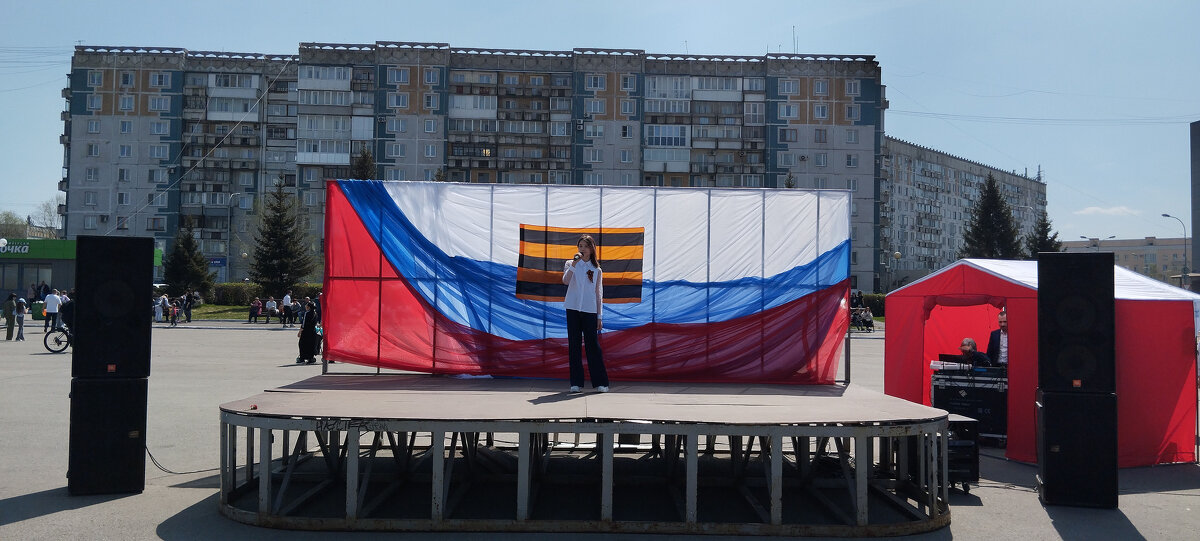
x=581, y=327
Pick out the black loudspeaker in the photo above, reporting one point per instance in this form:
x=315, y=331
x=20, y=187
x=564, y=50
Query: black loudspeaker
x=108, y=436
x=1076, y=347
x=1077, y=448
x=112, y=315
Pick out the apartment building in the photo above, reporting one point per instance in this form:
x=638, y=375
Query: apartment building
x=1162, y=259
x=159, y=138
x=925, y=200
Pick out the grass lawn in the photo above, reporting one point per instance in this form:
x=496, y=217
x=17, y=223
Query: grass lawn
x=219, y=311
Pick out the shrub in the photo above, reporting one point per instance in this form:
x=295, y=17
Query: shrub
x=874, y=301
x=236, y=293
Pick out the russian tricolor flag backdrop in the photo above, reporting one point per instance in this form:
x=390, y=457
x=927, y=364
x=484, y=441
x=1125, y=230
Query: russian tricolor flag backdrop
x=740, y=284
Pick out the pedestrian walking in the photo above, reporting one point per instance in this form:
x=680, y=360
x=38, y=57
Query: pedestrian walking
x=189, y=300
x=286, y=307
x=22, y=309
x=10, y=315
x=53, y=302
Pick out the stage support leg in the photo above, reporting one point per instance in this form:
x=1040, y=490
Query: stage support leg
x=692, y=474
x=352, y=437
x=438, y=448
x=226, y=484
x=776, y=485
x=945, y=454
x=524, y=473
x=264, y=471
x=606, y=476
x=862, y=461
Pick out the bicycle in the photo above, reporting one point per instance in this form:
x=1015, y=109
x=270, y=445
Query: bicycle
x=58, y=339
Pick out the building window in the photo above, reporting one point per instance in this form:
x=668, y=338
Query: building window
x=95, y=78
x=628, y=82
x=89, y=222
x=124, y=175
x=626, y=131
x=125, y=151
x=626, y=156
x=852, y=137
x=667, y=136
x=852, y=87
x=394, y=150
x=160, y=103
x=95, y=102
x=821, y=183
x=126, y=78
x=821, y=87
x=755, y=113
x=852, y=112
x=512, y=80
x=430, y=126
x=126, y=126
x=821, y=159
x=486, y=78
x=156, y=224
x=392, y=173
x=755, y=84
x=397, y=125
x=158, y=127
x=789, y=135
x=560, y=104
x=89, y=199
x=93, y=126
x=558, y=129
x=125, y=103
x=787, y=159
x=160, y=79
x=627, y=107
x=155, y=175
x=430, y=151
x=593, y=179
x=122, y=198
x=93, y=149
x=820, y=135
x=537, y=80
x=431, y=76
x=594, y=82
x=429, y=174
x=852, y=184
x=397, y=76
x=92, y=174
x=789, y=110
x=398, y=100
x=431, y=101
x=595, y=107
x=591, y=129
x=820, y=111
x=789, y=86
x=851, y=160
x=158, y=151
x=594, y=155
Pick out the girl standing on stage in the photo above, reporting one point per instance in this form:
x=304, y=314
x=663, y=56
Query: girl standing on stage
x=585, y=295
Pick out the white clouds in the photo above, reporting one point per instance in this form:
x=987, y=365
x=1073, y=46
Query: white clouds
x=1110, y=211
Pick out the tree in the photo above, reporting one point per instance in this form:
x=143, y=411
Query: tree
x=991, y=233
x=281, y=257
x=46, y=214
x=440, y=176
x=363, y=167
x=1042, y=238
x=12, y=226
x=185, y=267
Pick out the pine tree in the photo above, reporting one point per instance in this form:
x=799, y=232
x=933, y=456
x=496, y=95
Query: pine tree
x=991, y=232
x=363, y=167
x=185, y=268
x=1042, y=238
x=281, y=257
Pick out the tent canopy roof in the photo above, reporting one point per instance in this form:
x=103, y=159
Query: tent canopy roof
x=1128, y=285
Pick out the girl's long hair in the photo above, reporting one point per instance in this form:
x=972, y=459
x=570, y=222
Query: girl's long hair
x=587, y=239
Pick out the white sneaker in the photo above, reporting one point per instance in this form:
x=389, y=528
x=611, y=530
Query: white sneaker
x=602, y=388
x=575, y=388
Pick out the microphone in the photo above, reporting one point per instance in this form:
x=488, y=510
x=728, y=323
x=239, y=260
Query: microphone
x=577, y=256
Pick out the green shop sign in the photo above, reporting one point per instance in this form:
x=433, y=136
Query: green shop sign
x=38, y=249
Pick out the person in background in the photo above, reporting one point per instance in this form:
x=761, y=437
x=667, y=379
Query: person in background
x=22, y=309
x=270, y=309
x=971, y=354
x=188, y=301
x=997, y=349
x=33, y=292
x=10, y=315
x=53, y=302
x=43, y=291
x=255, y=309
x=165, y=303
x=158, y=310
x=318, y=306
x=286, y=306
x=309, y=339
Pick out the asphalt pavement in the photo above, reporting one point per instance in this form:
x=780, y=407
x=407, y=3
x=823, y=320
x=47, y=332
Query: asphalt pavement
x=198, y=366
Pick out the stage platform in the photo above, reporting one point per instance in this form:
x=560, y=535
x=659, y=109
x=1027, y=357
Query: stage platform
x=429, y=453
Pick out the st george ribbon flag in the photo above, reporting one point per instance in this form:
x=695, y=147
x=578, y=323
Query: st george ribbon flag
x=701, y=284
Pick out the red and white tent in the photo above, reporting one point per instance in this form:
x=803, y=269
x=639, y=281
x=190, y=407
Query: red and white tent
x=1155, y=351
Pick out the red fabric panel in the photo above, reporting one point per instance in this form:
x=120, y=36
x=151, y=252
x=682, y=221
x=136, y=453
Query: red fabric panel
x=902, y=350
x=350, y=319
x=1022, y=379
x=1156, y=382
x=350, y=251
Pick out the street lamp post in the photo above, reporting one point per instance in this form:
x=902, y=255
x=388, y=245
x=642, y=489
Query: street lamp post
x=1098, y=239
x=229, y=237
x=1185, y=280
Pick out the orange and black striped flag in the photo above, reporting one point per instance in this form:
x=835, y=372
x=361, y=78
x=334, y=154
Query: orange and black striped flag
x=545, y=249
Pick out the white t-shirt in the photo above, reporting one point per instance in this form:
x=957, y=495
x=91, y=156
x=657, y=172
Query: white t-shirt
x=52, y=302
x=287, y=300
x=270, y=305
x=582, y=294
x=1003, y=348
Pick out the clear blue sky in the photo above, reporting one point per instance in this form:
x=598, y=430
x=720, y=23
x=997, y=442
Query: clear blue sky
x=1098, y=93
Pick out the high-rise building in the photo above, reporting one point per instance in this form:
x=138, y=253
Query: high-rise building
x=157, y=139
x=925, y=201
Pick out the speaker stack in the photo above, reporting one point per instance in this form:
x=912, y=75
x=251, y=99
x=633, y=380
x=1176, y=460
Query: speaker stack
x=1076, y=397
x=109, y=365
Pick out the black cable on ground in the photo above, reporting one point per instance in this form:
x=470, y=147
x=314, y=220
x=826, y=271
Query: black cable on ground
x=160, y=466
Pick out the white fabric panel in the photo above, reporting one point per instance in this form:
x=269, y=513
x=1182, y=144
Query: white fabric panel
x=573, y=206
x=1127, y=285
x=790, y=239
x=736, y=238
x=415, y=199
x=681, y=236
x=513, y=206
x=631, y=207
x=835, y=219
x=461, y=213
